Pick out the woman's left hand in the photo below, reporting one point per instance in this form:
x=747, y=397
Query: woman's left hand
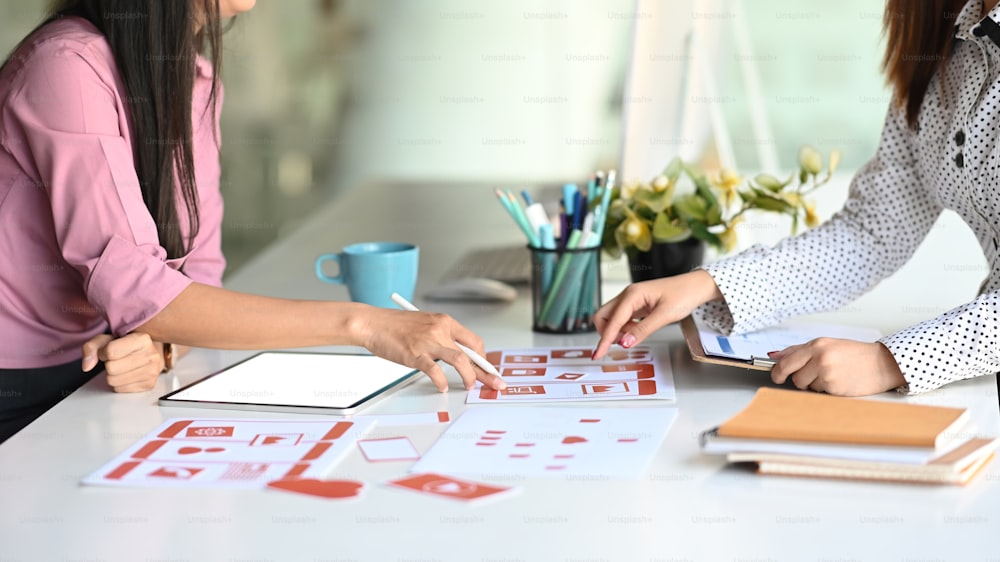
x=132, y=362
x=836, y=366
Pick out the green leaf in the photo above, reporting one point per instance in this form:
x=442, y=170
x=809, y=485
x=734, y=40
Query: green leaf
x=768, y=202
x=704, y=190
x=609, y=241
x=713, y=215
x=748, y=195
x=691, y=207
x=769, y=182
x=700, y=231
x=666, y=230
x=673, y=169
x=655, y=201
x=616, y=211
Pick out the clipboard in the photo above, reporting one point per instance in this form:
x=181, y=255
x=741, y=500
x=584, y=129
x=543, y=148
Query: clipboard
x=693, y=339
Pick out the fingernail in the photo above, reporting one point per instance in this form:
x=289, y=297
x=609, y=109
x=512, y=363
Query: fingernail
x=501, y=385
x=88, y=363
x=770, y=353
x=628, y=340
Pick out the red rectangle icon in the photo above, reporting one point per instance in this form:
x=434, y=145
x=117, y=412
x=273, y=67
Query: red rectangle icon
x=524, y=372
x=210, y=431
x=523, y=389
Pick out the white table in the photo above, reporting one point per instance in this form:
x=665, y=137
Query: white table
x=687, y=507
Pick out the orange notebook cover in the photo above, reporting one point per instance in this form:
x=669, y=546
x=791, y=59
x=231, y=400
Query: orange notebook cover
x=797, y=415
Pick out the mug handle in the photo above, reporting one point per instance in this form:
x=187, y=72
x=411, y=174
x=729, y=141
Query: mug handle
x=339, y=278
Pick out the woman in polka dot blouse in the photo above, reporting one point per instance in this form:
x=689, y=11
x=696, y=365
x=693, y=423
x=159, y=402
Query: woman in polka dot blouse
x=940, y=149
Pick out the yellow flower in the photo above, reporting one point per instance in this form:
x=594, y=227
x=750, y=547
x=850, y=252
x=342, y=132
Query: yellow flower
x=660, y=183
x=810, y=160
x=629, y=188
x=834, y=160
x=728, y=235
x=726, y=181
x=812, y=219
x=637, y=234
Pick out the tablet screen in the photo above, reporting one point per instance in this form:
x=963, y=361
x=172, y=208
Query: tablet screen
x=288, y=379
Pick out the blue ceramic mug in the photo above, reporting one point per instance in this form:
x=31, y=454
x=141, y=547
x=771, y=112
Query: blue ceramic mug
x=373, y=271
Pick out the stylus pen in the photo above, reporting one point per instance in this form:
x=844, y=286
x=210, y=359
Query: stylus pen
x=476, y=358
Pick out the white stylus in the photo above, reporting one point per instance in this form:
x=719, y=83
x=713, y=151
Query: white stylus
x=478, y=359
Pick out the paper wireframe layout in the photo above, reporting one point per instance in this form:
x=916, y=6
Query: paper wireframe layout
x=230, y=453
x=334, y=383
x=544, y=442
x=758, y=344
x=568, y=374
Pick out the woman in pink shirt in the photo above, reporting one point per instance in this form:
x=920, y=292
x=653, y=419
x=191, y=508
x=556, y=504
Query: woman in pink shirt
x=111, y=215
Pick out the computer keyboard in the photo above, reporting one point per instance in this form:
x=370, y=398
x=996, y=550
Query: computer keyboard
x=510, y=264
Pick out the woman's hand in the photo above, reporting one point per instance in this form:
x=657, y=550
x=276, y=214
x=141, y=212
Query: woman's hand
x=655, y=303
x=418, y=339
x=836, y=366
x=132, y=362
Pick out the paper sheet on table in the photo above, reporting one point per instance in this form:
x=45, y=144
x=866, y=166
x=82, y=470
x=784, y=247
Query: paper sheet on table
x=569, y=375
x=759, y=343
x=543, y=442
x=231, y=453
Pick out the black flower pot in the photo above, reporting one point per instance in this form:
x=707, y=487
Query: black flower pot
x=665, y=259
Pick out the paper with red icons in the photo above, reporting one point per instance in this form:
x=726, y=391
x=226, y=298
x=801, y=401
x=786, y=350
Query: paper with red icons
x=451, y=488
x=569, y=375
x=544, y=442
x=231, y=453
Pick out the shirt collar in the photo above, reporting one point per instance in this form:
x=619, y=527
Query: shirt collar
x=971, y=24
x=968, y=18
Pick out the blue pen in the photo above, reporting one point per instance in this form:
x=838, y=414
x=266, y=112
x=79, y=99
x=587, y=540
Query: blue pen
x=549, y=243
x=581, y=209
x=569, y=198
x=528, y=201
x=519, y=219
x=564, y=230
x=592, y=188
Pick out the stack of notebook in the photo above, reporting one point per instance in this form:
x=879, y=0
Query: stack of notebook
x=807, y=434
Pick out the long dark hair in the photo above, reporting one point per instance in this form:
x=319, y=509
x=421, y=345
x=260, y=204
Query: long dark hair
x=155, y=44
x=918, y=42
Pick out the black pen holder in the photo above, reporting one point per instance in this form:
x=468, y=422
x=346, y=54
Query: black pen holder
x=565, y=289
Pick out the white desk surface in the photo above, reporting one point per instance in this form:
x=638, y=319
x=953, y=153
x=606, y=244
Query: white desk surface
x=688, y=506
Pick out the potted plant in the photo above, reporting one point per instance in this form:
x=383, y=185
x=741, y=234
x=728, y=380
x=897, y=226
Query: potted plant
x=663, y=225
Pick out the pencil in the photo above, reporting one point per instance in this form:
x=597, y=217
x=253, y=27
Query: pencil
x=476, y=358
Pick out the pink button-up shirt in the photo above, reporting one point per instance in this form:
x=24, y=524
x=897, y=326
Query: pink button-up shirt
x=79, y=252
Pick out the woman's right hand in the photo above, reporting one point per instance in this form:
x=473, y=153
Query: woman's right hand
x=419, y=339
x=642, y=308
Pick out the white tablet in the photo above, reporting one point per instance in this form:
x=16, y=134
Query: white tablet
x=325, y=383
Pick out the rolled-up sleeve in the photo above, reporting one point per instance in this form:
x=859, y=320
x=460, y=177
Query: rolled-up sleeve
x=205, y=263
x=73, y=142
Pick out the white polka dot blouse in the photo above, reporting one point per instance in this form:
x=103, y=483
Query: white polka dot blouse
x=950, y=161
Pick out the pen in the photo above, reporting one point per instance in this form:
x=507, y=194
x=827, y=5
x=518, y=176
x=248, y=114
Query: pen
x=515, y=213
x=478, y=359
x=527, y=197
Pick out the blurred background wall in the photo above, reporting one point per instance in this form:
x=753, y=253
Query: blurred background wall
x=328, y=95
